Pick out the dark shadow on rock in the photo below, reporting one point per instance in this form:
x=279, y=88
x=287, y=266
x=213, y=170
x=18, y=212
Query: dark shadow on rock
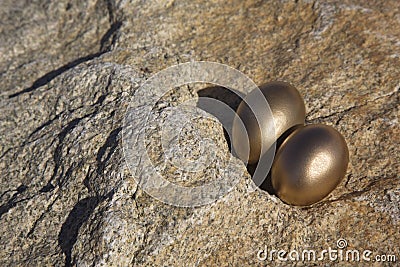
x=13, y=201
x=229, y=97
x=79, y=214
x=55, y=73
x=70, y=228
x=109, y=146
x=266, y=185
x=57, y=155
x=105, y=41
x=103, y=156
x=261, y=171
x=105, y=45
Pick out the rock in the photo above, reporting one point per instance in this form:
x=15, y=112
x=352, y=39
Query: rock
x=69, y=71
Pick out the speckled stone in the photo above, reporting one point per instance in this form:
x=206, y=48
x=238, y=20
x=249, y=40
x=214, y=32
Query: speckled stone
x=68, y=70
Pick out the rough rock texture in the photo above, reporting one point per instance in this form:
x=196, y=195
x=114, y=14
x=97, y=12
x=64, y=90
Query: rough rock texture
x=69, y=69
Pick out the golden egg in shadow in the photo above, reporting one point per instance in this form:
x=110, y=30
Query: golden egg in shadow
x=309, y=164
x=262, y=128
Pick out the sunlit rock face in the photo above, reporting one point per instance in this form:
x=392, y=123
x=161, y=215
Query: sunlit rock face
x=69, y=70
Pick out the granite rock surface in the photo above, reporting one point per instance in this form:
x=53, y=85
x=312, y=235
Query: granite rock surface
x=70, y=69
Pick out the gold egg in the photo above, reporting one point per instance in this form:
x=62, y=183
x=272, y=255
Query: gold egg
x=262, y=130
x=309, y=164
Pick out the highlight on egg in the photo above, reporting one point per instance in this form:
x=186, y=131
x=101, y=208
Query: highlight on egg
x=309, y=164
